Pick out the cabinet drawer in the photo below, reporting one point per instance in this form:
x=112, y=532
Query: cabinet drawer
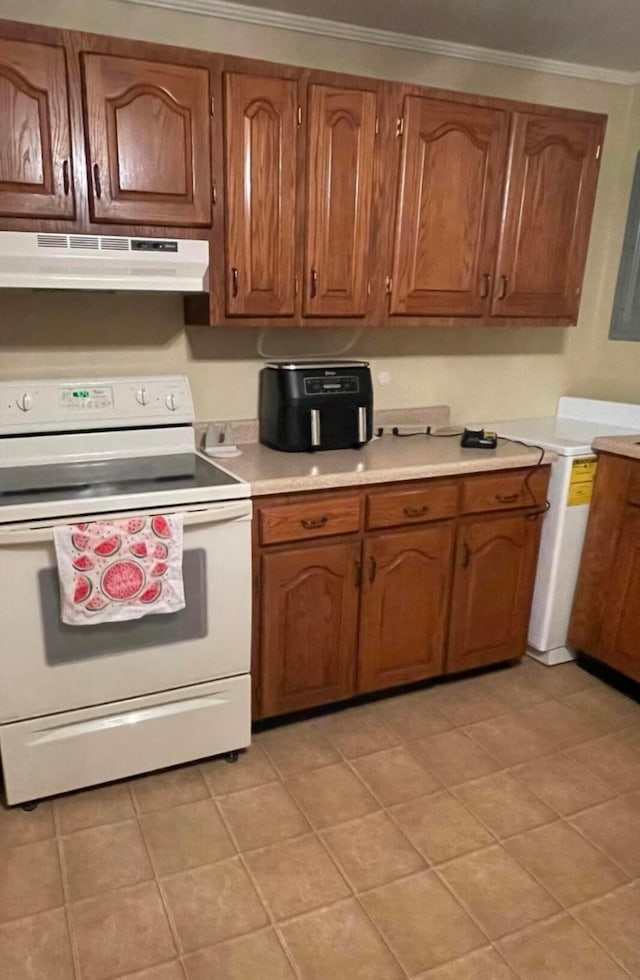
x=505, y=491
x=392, y=508
x=308, y=519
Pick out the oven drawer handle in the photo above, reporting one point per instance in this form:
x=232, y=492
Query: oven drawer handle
x=212, y=515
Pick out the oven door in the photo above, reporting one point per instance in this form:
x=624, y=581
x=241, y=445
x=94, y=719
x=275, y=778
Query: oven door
x=47, y=666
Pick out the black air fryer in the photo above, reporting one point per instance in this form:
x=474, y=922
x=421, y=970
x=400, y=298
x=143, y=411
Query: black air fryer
x=313, y=406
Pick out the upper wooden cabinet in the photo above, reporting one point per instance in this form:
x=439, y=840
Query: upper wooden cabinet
x=448, y=212
x=551, y=182
x=35, y=140
x=341, y=143
x=341, y=198
x=147, y=134
x=261, y=136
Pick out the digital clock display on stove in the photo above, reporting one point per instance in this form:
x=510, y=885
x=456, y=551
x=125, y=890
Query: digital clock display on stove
x=94, y=397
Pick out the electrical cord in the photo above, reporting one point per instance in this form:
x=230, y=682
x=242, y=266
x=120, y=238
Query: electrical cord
x=534, y=469
x=456, y=435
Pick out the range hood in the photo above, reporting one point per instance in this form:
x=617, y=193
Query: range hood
x=30, y=260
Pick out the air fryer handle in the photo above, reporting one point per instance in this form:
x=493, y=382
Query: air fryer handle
x=315, y=428
x=362, y=425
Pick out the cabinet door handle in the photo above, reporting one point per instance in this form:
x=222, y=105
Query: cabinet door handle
x=415, y=511
x=314, y=283
x=466, y=555
x=486, y=285
x=234, y=281
x=65, y=178
x=507, y=498
x=96, y=180
x=373, y=568
x=357, y=574
x=503, y=287
x=309, y=523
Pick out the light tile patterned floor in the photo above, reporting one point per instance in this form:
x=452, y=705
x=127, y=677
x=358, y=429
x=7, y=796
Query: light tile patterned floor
x=483, y=829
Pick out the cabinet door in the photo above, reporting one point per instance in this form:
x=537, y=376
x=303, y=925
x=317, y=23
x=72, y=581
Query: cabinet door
x=620, y=634
x=261, y=160
x=148, y=147
x=492, y=590
x=448, y=213
x=404, y=601
x=553, y=170
x=35, y=141
x=309, y=618
x=340, y=153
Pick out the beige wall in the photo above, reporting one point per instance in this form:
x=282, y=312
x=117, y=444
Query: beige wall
x=495, y=372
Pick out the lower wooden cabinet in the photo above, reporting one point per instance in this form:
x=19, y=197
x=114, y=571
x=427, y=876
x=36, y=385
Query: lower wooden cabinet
x=405, y=594
x=367, y=607
x=309, y=625
x=605, y=620
x=620, y=639
x=493, y=586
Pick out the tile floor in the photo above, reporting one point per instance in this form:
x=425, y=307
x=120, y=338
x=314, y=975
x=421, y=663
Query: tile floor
x=484, y=829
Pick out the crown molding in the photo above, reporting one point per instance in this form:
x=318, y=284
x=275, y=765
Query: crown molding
x=303, y=24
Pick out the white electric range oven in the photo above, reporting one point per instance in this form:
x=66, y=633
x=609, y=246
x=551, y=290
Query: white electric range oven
x=81, y=705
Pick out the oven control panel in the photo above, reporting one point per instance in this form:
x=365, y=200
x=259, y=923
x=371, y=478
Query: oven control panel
x=89, y=403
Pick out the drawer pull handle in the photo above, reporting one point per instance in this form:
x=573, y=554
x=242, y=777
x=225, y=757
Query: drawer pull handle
x=486, y=285
x=234, y=281
x=415, y=511
x=312, y=522
x=507, y=498
x=357, y=574
x=503, y=287
x=66, y=184
x=314, y=283
x=373, y=568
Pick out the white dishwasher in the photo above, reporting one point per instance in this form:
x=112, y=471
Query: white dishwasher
x=570, y=434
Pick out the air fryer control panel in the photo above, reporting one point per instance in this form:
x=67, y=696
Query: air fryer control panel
x=346, y=384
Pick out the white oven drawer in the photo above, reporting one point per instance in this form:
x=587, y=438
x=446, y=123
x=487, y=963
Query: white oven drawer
x=55, y=754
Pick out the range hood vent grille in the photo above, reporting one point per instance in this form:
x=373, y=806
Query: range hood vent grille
x=31, y=260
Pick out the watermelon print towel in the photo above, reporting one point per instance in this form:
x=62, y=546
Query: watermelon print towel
x=111, y=571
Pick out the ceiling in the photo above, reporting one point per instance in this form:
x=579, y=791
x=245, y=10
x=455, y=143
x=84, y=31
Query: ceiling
x=602, y=33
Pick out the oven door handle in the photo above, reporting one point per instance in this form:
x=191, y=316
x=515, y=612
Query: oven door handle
x=210, y=515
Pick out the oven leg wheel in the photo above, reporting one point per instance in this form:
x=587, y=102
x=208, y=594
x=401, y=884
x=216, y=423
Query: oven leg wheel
x=31, y=805
x=232, y=757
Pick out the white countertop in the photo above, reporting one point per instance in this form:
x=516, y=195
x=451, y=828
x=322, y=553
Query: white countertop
x=381, y=461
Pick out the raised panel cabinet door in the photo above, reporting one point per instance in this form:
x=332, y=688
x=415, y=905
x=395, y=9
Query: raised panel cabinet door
x=448, y=211
x=492, y=590
x=341, y=148
x=35, y=140
x=261, y=135
x=405, y=593
x=309, y=621
x=620, y=631
x=552, y=176
x=147, y=128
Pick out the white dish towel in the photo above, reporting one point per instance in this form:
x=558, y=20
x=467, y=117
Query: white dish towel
x=111, y=571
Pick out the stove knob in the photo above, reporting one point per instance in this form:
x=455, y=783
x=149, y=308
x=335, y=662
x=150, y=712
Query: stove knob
x=171, y=401
x=25, y=402
x=142, y=396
